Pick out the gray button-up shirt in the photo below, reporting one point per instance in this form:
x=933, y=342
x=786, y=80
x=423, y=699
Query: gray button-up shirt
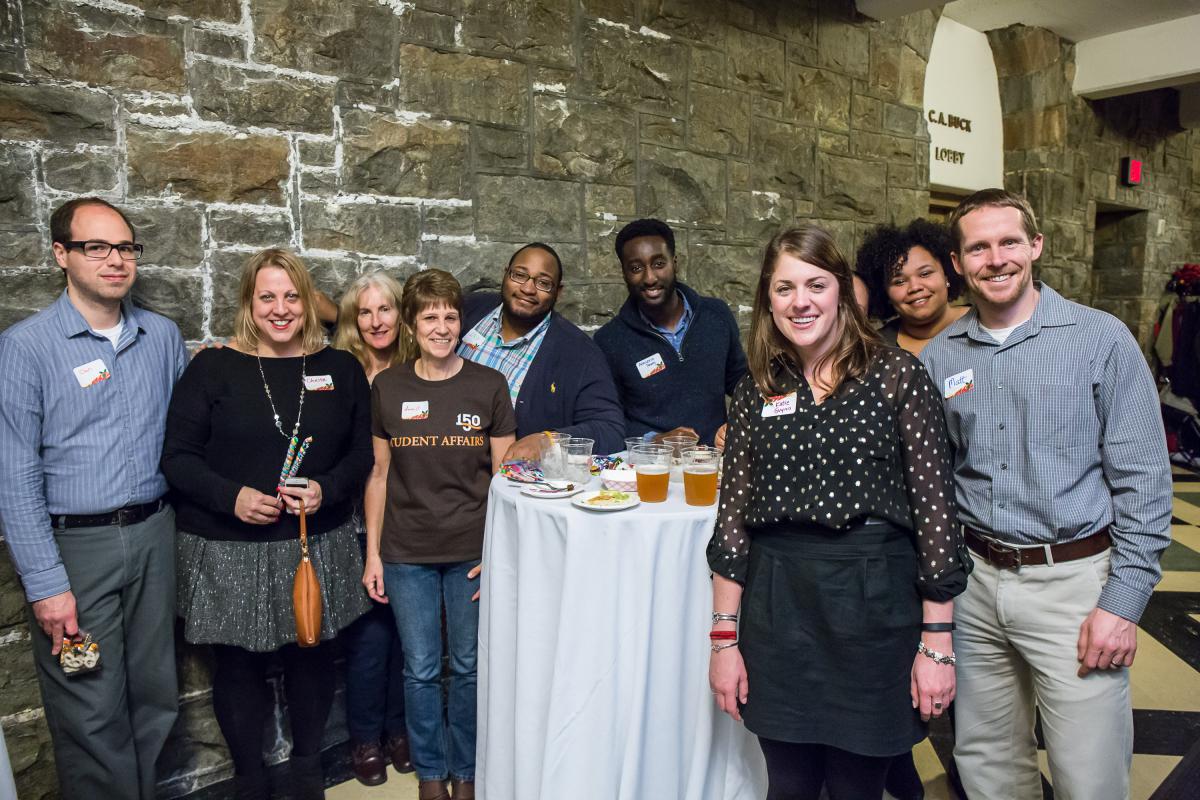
x=1057, y=433
x=81, y=426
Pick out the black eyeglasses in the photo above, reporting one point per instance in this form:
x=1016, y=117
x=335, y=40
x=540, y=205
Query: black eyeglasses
x=98, y=250
x=520, y=277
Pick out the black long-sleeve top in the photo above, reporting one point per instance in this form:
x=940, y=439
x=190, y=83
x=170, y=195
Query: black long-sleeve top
x=875, y=448
x=221, y=436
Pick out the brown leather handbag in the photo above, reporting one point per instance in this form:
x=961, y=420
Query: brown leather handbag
x=306, y=594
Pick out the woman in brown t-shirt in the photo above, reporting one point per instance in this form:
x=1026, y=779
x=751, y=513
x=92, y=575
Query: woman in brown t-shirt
x=441, y=426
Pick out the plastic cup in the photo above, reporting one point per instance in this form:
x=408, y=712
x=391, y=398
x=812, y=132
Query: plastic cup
x=700, y=475
x=553, y=459
x=577, y=457
x=678, y=442
x=630, y=443
x=652, y=463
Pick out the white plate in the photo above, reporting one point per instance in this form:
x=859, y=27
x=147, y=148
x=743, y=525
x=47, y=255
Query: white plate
x=548, y=493
x=582, y=502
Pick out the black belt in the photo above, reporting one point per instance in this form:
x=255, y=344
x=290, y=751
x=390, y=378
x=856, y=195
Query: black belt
x=1004, y=556
x=129, y=515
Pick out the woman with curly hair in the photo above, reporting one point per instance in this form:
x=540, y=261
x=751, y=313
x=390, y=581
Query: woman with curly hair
x=910, y=276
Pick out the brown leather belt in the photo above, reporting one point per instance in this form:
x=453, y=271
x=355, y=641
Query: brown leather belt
x=1005, y=556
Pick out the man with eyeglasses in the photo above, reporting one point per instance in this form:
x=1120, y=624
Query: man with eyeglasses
x=82, y=410
x=1064, y=494
x=557, y=377
x=675, y=354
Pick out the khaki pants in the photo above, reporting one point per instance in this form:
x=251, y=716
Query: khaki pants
x=1016, y=638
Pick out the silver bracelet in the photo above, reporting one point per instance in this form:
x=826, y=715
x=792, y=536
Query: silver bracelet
x=719, y=617
x=940, y=658
x=716, y=648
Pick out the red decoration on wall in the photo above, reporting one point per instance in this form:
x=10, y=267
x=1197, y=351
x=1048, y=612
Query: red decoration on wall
x=1131, y=171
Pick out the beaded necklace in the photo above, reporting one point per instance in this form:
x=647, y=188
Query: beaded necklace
x=271, y=400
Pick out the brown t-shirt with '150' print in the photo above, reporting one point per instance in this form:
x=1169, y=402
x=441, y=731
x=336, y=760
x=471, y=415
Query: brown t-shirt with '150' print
x=440, y=435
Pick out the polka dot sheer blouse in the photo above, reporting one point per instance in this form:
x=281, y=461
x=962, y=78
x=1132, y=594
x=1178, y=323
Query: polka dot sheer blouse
x=875, y=448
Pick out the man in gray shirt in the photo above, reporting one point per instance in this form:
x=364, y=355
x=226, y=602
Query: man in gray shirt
x=1064, y=491
x=83, y=406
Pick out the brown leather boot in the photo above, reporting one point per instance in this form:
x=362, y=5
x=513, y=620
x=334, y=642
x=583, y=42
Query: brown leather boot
x=432, y=790
x=367, y=762
x=397, y=749
x=463, y=790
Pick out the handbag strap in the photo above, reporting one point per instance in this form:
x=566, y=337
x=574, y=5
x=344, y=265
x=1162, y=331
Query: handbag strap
x=303, y=532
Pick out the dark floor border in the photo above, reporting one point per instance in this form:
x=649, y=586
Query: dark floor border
x=1167, y=619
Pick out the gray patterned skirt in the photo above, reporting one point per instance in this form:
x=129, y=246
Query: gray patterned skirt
x=240, y=593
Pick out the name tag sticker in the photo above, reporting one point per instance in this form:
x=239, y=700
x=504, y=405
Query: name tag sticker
x=473, y=340
x=779, y=405
x=318, y=383
x=415, y=409
x=91, y=373
x=651, y=365
x=958, y=384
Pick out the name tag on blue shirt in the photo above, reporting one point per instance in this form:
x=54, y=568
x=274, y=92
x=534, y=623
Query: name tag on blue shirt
x=958, y=384
x=473, y=340
x=91, y=373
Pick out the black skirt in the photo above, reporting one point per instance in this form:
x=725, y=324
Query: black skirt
x=829, y=628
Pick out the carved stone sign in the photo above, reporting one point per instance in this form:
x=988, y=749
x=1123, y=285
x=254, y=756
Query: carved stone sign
x=962, y=109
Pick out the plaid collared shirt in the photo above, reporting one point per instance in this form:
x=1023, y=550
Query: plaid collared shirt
x=484, y=345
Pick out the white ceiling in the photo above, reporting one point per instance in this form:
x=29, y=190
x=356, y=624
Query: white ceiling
x=1075, y=20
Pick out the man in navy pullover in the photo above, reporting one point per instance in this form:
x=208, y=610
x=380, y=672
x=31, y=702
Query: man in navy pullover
x=675, y=355
x=557, y=378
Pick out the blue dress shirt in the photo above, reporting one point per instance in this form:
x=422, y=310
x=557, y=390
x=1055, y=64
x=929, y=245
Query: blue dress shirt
x=1056, y=434
x=81, y=426
x=674, y=338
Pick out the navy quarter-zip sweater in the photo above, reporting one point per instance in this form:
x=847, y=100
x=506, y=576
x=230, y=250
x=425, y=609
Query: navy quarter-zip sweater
x=691, y=390
x=568, y=387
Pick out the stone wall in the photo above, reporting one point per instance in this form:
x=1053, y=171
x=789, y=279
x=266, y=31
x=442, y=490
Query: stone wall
x=399, y=135
x=1064, y=153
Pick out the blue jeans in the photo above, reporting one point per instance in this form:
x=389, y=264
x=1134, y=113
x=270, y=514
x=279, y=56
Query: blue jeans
x=374, y=677
x=417, y=593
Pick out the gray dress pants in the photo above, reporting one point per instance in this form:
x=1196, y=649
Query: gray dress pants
x=108, y=726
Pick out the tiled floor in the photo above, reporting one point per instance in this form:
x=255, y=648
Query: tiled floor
x=1165, y=679
x=398, y=786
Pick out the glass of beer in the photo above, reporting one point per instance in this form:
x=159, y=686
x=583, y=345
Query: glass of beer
x=700, y=475
x=652, y=462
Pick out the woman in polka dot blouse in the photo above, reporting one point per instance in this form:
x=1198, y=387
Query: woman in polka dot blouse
x=836, y=538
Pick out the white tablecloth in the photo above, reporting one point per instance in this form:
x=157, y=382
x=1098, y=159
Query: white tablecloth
x=593, y=657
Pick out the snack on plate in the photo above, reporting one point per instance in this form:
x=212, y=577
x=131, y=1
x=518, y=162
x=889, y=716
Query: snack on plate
x=608, y=497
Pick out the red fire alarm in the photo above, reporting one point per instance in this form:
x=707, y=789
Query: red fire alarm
x=1131, y=171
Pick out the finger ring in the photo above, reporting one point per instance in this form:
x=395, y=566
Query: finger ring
x=937, y=705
